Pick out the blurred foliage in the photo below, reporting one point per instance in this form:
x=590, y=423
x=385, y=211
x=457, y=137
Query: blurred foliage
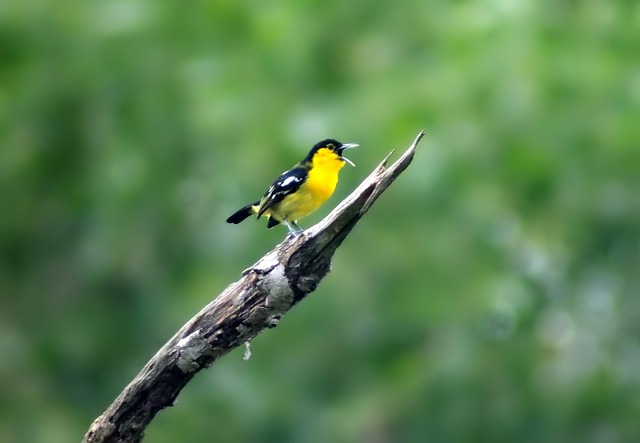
x=490, y=295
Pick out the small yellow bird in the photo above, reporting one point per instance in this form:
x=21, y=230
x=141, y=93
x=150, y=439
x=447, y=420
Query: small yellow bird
x=302, y=189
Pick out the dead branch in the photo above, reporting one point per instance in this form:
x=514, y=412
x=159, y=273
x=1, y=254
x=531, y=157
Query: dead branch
x=257, y=301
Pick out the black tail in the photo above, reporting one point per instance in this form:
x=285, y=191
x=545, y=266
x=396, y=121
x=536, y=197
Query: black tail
x=241, y=214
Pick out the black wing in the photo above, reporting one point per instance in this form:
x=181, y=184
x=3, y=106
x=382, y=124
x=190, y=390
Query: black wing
x=288, y=183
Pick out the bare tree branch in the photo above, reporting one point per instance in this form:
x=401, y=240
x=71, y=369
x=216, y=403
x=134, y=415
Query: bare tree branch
x=266, y=291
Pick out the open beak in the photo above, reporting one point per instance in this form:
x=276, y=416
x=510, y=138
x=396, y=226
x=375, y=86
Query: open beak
x=343, y=148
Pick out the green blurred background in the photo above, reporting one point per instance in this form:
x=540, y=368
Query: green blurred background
x=490, y=295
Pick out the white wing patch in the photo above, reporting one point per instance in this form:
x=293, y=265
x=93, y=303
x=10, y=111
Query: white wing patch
x=284, y=185
x=289, y=180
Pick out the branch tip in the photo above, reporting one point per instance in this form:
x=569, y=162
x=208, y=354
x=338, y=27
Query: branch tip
x=384, y=161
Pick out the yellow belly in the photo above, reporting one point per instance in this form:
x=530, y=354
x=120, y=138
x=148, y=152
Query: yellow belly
x=304, y=202
x=318, y=187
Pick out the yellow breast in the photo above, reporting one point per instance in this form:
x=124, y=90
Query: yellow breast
x=323, y=176
x=319, y=186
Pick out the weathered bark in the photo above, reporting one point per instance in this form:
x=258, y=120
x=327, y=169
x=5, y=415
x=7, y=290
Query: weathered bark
x=266, y=291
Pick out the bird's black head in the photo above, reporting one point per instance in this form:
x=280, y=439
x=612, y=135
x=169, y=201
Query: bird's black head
x=333, y=145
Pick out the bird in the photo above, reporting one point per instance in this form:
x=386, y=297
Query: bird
x=302, y=189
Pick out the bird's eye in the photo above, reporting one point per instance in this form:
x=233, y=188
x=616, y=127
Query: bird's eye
x=330, y=146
